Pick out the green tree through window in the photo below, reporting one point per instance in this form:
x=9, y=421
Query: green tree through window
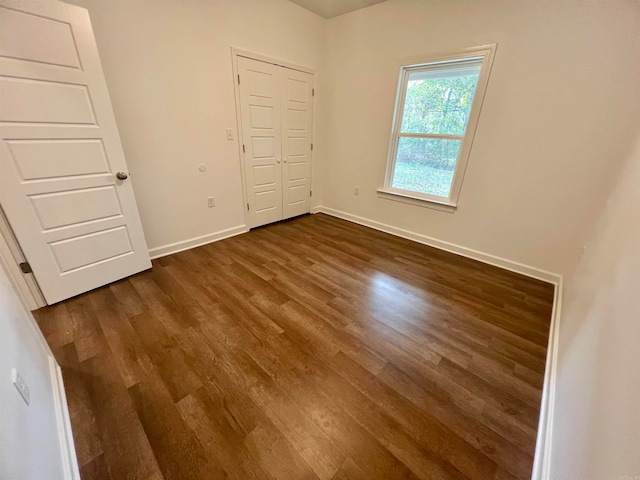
x=437, y=103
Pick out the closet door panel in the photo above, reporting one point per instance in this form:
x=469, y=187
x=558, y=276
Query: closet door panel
x=260, y=109
x=297, y=129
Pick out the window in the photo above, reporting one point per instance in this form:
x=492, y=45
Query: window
x=437, y=108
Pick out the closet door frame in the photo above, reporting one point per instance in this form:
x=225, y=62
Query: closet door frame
x=235, y=53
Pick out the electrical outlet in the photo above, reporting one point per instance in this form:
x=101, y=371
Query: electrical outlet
x=356, y=190
x=21, y=386
x=229, y=134
x=211, y=202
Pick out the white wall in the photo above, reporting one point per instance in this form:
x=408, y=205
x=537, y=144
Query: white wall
x=29, y=442
x=169, y=72
x=596, y=428
x=560, y=109
x=557, y=116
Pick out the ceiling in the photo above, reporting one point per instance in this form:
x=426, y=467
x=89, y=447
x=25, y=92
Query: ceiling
x=333, y=8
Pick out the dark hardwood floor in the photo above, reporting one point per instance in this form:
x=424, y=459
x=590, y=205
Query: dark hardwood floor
x=314, y=348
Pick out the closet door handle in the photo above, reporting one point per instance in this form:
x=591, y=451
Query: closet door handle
x=285, y=160
x=278, y=160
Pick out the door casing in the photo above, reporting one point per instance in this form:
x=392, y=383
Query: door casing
x=11, y=255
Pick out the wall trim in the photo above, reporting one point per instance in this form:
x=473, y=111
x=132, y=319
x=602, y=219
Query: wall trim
x=544, y=441
x=239, y=52
x=542, y=456
x=487, y=258
x=194, y=242
x=65, y=435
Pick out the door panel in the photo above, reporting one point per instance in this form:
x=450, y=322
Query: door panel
x=38, y=159
x=262, y=139
x=86, y=250
x=298, y=194
x=297, y=138
x=37, y=101
x=59, y=151
x=297, y=90
x=264, y=175
x=61, y=209
x=263, y=147
x=265, y=201
x=296, y=119
x=35, y=38
x=297, y=171
x=261, y=117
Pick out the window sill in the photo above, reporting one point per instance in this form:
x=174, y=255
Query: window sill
x=420, y=202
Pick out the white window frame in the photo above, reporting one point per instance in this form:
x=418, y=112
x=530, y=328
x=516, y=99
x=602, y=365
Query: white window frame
x=486, y=53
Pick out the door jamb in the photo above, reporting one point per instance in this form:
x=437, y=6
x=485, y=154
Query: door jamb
x=235, y=53
x=11, y=256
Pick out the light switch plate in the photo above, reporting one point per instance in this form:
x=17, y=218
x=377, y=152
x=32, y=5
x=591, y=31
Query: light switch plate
x=21, y=386
x=229, y=134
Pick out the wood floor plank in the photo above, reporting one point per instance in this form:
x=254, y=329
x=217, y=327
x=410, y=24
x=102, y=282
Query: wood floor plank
x=350, y=471
x=132, y=362
x=127, y=450
x=309, y=349
x=204, y=412
x=276, y=455
x=467, y=426
x=81, y=411
x=95, y=470
x=179, y=453
x=421, y=443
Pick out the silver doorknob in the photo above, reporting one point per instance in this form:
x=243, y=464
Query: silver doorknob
x=285, y=160
x=121, y=176
x=278, y=160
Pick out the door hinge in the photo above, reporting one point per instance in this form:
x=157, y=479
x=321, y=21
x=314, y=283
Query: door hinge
x=238, y=79
x=243, y=150
x=312, y=147
x=313, y=92
x=25, y=267
x=247, y=207
x=311, y=193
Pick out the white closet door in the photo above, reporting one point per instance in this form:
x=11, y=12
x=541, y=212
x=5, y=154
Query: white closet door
x=60, y=151
x=297, y=116
x=260, y=99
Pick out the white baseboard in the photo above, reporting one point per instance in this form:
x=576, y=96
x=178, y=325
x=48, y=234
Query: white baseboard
x=510, y=265
x=65, y=435
x=542, y=458
x=171, y=248
x=544, y=442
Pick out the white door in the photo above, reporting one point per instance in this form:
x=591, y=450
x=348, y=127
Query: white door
x=77, y=224
x=262, y=140
x=276, y=111
x=297, y=115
